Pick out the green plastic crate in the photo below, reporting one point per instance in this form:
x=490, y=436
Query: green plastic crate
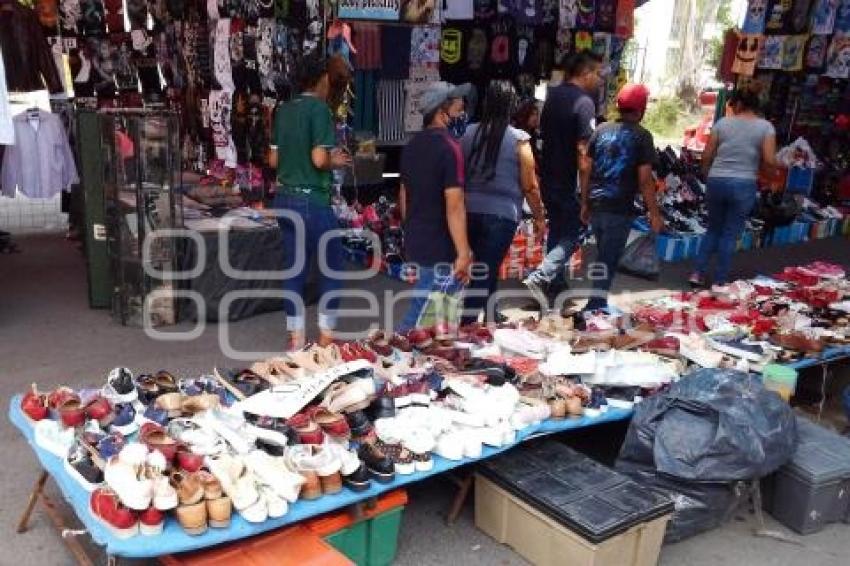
x=370, y=543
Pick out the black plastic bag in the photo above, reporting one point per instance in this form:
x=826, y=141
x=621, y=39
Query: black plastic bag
x=777, y=209
x=640, y=258
x=712, y=426
x=698, y=507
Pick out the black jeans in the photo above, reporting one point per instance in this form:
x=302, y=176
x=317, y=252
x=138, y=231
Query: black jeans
x=489, y=237
x=612, y=233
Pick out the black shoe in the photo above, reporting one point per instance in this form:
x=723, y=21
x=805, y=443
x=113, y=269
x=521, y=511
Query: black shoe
x=379, y=465
x=383, y=408
x=358, y=422
x=359, y=480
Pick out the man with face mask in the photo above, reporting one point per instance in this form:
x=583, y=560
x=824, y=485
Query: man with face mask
x=431, y=197
x=567, y=121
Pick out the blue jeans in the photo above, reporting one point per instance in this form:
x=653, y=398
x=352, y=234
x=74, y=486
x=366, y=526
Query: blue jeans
x=490, y=237
x=563, y=210
x=429, y=279
x=318, y=219
x=730, y=201
x=612, y=233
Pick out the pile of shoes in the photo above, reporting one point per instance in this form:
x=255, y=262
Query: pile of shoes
x=797, y=313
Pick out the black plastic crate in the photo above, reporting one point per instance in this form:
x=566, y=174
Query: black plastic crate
x=584, y=496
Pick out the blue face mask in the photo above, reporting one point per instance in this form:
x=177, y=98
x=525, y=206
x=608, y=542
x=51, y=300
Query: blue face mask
x=457, y=125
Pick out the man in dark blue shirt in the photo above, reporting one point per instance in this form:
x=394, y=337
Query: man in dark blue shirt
x=432, y=199
x=621, y=155
x=567, y=122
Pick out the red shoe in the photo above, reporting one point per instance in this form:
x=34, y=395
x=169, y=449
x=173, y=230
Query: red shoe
x=59, y=395
x=105, y=506
x=71, y=412
x=151, y=521
x=368, y=354
x=34, y=404
x=347, y=354
x=332, y=424
x=420, y=338
x=308, y=431
x=100, y=410
x=189, y=461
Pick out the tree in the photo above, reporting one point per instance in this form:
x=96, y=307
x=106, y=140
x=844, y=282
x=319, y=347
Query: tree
x=697, y=13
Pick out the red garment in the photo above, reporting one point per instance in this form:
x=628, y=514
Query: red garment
x=366, y=38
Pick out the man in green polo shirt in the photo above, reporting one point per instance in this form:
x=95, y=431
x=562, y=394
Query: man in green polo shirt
x=304, y=154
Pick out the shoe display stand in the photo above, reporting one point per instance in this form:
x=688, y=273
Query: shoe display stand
x=175, y=540
x=141, y=170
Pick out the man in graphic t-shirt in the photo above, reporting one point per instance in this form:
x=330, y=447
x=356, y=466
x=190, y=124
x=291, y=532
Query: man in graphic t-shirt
x=621, y=155
x=432, y=199
x=567, y=121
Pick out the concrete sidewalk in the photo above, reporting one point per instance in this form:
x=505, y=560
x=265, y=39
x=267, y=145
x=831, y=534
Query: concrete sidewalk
x=49, y=335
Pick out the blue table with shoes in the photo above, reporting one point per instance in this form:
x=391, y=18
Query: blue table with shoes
x=174, y=540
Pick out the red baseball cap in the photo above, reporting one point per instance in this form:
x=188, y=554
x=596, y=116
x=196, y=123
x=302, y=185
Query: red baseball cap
x=633, y=97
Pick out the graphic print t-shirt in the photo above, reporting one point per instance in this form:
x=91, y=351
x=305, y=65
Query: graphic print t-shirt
x=617, y=150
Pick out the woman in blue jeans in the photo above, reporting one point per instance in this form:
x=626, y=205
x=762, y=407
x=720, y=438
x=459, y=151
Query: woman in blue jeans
x=739, y=144
x=500, y=173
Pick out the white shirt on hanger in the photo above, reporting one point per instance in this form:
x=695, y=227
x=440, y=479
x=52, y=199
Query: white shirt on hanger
x=7, y=130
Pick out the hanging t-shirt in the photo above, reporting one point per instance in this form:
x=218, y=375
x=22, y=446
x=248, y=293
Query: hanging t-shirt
x=567, y=14
x=476, y=49
x=395, y=51
x=544, y=51
x=606, y=15
x=586, y=16
x=823, y=17
x=529, y=12
x=816, y=52
x=777, y=16
x=453, y=48
x=484, y=10
x=756, y=16
x=771, y=52
x=792, y=53
x=798, y=20
x=70, y=17
x=502, y=61
x=458, y=10
x=550, y=12
x=747, y=54
x=842, y=18
x=93, y=18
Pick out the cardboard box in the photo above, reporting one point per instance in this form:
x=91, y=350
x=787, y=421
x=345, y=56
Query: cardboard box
x=545, y=542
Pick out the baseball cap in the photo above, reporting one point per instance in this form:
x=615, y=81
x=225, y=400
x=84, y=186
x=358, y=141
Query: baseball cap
x=435, y=96
x=633, y=97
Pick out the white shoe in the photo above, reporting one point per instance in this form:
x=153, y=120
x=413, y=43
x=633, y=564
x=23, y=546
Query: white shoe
x=236, y=480
x=309, y=457
x=450, y=446
x=471, y=443
x=349, y=462
x=276, y=506
x=257, y=512
x=50, y=436
x=230, y=427
x=164, y=494
x=133, y=492
x=272, y=471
